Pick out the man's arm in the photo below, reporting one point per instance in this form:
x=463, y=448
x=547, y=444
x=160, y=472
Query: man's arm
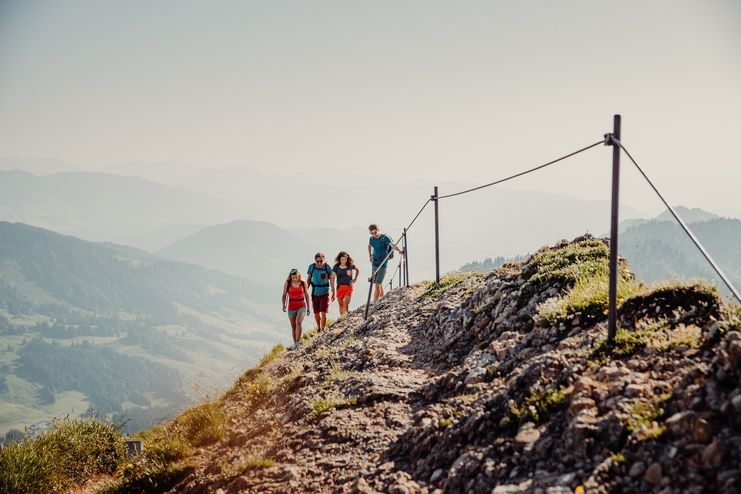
x=370, y=256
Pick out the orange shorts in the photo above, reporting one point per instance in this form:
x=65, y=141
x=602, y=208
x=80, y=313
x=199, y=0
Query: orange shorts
x=344, y=291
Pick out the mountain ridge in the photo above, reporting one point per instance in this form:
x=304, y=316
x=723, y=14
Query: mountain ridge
x=485, y=383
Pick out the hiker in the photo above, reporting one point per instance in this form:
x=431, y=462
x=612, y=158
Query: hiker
x=321, y=278
x=343, y=270
x=298, y=303
x=379, y=245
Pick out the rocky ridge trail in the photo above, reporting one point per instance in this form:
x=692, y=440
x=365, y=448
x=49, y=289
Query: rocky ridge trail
x=468, y=387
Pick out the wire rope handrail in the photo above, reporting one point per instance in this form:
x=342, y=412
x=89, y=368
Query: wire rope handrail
x=446, y=196
x=684, y=226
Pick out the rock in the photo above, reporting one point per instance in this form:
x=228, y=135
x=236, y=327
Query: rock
x=701, y=431
x=527, y=435
x=558, y=489
x=436, y=475
x=635, y=390
x=361, y=487
x=637, y=469
x=712, y=455
x=736, y=403
x=477, y=375
x=653, y=474
x=512, y=488
x=679, y=423
x=582, y=403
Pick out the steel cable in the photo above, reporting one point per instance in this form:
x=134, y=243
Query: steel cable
x=602, y=141
x=684, y=226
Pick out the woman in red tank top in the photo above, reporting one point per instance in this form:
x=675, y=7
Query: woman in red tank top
x=297, y=294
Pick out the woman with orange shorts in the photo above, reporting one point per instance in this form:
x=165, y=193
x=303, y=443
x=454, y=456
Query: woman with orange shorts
x=343, y=270
x=297, y=292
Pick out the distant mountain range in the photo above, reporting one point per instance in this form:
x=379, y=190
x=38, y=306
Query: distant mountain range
x=105, y=207
x=659, y=249
x=118, y=329
x=263, y=252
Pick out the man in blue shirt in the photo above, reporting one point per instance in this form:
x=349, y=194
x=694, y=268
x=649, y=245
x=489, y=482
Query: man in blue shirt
x=379, y=245
x=321, y=278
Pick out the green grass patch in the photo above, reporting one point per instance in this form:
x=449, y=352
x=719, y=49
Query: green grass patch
x=618, y=458
x=446, y=283
x=272, y=355
x=202, y=424
x=322, y=405
x=244, y=466
x=587, y=300
x=337, y=374
x=159, y=467
x=541, y=402
x=584, y=263
x=627, y=342
x=642, y=420
x=69, y=452
x=584, y=259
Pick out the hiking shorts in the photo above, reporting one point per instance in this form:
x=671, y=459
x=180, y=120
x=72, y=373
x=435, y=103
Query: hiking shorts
x=320, y=303
x=380, y=275
x=293, y=314
x=344, y=291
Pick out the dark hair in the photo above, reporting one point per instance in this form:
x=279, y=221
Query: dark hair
x=319, y=254
x=373, y=226
x=342, y=253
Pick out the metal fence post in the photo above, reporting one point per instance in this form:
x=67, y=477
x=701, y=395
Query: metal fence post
x=370, y=290
x=612, y=295
x=437, y=238
x=406, y=260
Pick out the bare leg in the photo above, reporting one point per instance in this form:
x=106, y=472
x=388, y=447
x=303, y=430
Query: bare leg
x=293, y=328
x=346, y=303
x=299, y=320
x=324, y=320
x=378, y=292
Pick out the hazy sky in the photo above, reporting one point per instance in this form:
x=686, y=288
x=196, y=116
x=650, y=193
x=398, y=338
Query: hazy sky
x=466, y=91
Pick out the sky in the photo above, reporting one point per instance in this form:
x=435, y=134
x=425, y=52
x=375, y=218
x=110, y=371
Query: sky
x=442, y=91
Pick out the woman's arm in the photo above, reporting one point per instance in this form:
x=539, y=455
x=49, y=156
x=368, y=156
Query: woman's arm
x=357, y=273
x=285, y=292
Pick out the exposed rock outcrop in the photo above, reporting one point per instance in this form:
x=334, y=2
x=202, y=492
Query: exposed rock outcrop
x=467, y=387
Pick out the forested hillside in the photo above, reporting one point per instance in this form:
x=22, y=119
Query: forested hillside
x=660, y=249
x=113, y=328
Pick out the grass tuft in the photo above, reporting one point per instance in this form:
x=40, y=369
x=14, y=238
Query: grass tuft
x=642, y=421
x=540, y=404
x=69, y=452
x=272, y=355
x=446, y=283
x=233, y=470
x=322, y=405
